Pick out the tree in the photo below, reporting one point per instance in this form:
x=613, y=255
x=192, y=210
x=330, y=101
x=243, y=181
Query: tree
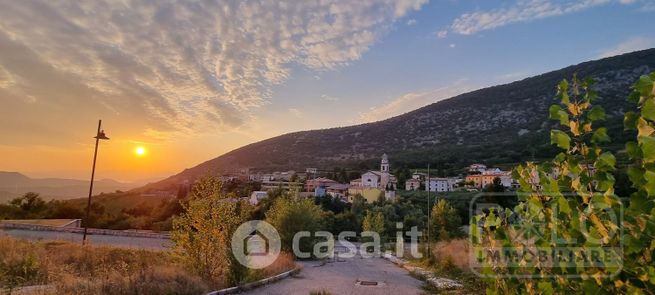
x=496, y=186
x=374, y=222
x=30, y=205
x=445, y=221
x=290, y=215
x=573, y=198
x=202, y=235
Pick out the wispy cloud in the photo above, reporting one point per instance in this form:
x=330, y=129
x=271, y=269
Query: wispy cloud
x=521, y=11
x=629, y=45
x=415, y=100
x=329, y=98
x=296, y=112
x=411, y=22
x=175, y=65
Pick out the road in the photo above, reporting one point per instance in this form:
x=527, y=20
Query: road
x=342, y=277
x=115, y=241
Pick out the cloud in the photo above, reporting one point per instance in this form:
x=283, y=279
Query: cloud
x=411, y=22
x=183, y=66
x=629, y=45
x=442, y=34
x=296, y=112
x=329, y=98
x=452, y=45
x=414, y=100
x=522, y=11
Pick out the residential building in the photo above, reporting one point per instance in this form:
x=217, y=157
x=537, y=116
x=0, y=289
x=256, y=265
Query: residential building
x=339, y=191
x=257, y=196
x=487, y=177
x=285, y=185
x=311, y=170
x=477, y=168
x=439, y=184
x=312, y=184
x=419, y=176
x=412, y=184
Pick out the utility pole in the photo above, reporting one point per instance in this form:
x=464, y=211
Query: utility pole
x=429, y=212
x=100, y=134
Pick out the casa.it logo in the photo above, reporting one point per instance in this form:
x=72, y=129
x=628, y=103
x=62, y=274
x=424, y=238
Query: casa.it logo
x=256, y=244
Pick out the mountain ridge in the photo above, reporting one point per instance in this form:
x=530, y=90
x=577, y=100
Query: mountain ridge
x=499, y=124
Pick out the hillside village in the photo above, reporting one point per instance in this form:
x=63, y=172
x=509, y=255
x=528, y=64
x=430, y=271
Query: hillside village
x=371, y=184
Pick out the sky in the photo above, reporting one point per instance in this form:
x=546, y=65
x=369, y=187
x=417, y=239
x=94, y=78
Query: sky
x=190, y=80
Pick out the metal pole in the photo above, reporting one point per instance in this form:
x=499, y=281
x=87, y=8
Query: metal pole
x=429, y=212
x=93, y=172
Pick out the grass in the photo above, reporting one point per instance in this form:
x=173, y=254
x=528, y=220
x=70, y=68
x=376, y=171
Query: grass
x=451, y=260
x=73, y=269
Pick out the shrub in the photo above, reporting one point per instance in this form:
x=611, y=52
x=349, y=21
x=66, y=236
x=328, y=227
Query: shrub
x=579, y=183
x=202, y=235
x=445, y=221
x=290, y=215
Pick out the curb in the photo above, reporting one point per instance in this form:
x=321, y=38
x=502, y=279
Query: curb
x=253, y=285
x=437, y=282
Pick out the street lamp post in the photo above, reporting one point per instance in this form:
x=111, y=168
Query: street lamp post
x=100, y=134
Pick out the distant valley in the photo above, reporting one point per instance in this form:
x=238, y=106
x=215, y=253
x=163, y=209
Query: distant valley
x=14, y=184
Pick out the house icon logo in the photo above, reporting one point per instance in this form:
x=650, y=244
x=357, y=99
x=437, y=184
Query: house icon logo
x=256, y=244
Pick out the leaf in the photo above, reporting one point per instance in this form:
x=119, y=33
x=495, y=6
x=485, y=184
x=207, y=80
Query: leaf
x=557, y=113
x=606, y=160
x=563, y=205
x=636, y=175
x=575, y=128
x=560, y=138
x=644, y=85
x=600, y=136
x=630, y=121
x=647, y=145
x=546, y=288
x=596, y=113
x=650, y=182
x=648, y=109
x=633, y=150
x=643, y=128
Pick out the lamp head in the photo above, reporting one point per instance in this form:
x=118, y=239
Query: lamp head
x=101, y=135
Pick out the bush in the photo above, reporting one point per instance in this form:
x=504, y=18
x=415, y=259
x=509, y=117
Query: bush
x=203, y=234
x=579, y=183
x=290, y=215
x=445, y=221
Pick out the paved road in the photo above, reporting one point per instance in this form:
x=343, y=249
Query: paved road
x=116, y=241
x=342, y=277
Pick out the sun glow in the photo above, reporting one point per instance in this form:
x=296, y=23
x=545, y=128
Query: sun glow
x=140, y=151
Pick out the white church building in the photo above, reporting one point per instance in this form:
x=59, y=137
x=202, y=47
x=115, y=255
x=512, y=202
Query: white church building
x=382, y=180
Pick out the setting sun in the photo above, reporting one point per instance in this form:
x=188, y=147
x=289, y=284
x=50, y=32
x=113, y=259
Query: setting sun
x=140, y=151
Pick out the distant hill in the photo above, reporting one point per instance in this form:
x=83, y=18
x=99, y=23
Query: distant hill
x=13, y=184
x=503, y=124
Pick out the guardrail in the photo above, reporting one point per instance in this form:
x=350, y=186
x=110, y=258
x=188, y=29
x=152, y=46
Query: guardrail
x=91, y=231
